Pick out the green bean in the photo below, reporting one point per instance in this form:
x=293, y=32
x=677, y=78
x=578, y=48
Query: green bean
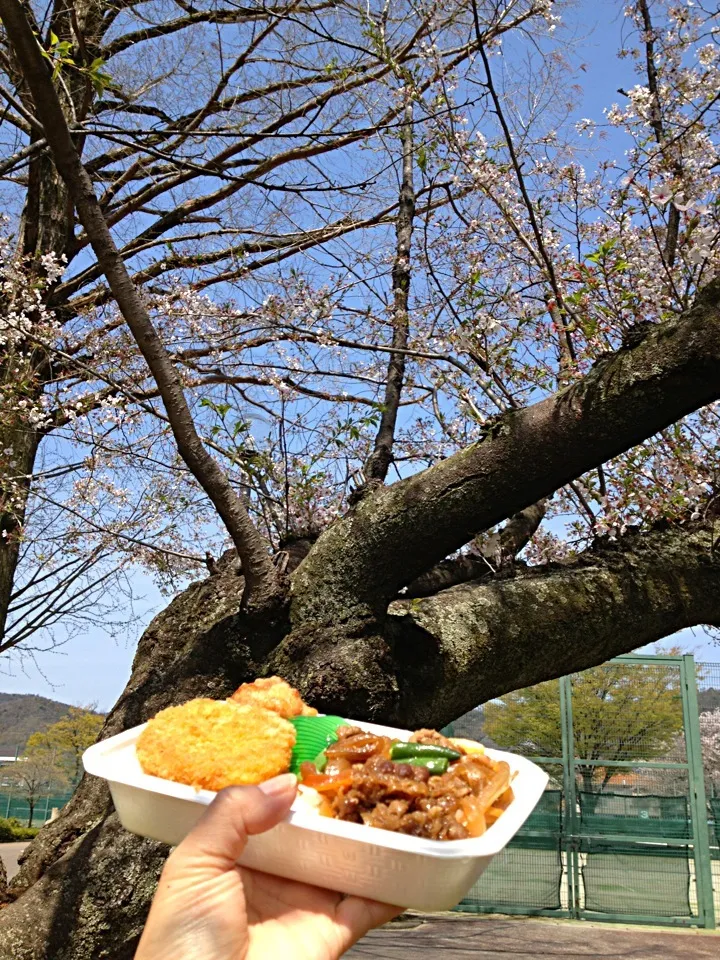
x=411, y=751
x=436, y=765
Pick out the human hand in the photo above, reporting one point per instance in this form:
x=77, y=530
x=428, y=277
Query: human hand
x=208, y=908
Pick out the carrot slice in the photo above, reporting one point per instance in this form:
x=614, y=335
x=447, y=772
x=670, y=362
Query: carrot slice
x=325, y=784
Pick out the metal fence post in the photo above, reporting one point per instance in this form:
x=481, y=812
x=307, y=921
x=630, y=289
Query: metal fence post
x=698, y=803
x=570, y=831
x=12, y=785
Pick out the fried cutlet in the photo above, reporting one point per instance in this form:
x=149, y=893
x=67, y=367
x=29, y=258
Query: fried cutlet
x=274, y=693
x=216, y=743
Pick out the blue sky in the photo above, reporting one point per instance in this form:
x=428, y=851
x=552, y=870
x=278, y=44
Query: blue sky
x=93, y=667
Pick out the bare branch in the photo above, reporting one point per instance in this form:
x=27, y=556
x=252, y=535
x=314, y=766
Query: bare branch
x=517, y=167
x=259, y=570
x=236, y=14
x=656, y=122
x=379, y=461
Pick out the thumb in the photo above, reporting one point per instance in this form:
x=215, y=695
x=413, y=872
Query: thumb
x=220, y=836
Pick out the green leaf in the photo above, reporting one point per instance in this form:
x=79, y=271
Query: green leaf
x=422, y=159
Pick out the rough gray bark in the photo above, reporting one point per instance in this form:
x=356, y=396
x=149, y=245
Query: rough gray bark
x=88, y=883
x=501, y=547
x=260, y=575
x=3, y=883
x=469, y=644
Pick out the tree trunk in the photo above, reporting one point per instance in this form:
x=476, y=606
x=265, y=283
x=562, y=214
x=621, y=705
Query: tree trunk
x=95, y=879
x=86, y=883
x=17, y=436
x=46, y=227
x=586, y=774
x=590, y=797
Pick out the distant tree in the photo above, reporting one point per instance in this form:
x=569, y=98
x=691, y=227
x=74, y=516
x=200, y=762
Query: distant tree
x=68, y=739
x=710, y=743
x=709, y=700
x=710, y=747
x=37, y=775
x=620, y=712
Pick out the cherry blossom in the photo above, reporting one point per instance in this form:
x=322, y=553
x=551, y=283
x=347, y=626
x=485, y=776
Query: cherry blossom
x=519, y=286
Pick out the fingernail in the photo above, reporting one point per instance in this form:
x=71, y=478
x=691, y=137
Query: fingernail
x=276, y=787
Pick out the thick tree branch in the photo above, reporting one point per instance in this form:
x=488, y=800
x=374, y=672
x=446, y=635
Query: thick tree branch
x=260, y=573
x=474, y=642
x=493, y=554
x=501, y=547
x=392, y=537
x=449, y=573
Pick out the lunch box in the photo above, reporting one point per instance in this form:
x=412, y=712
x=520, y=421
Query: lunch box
x=351, y=858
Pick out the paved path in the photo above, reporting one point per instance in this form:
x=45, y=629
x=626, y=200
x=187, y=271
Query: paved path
x=482, y=938
x=457, y=937
x=9, y=853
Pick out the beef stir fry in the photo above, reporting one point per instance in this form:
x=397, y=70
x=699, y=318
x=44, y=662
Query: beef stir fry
x=428, y=787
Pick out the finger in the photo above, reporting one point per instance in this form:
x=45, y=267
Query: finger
x=220, y=836
x=359, y=915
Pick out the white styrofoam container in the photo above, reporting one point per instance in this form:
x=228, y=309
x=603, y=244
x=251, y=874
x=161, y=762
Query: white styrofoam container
x=348, y=857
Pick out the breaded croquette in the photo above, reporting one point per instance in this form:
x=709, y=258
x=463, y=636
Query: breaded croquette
x=213, y=744
x=274, y=693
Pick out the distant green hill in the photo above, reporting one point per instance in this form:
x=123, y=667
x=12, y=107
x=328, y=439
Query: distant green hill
x=22, y=714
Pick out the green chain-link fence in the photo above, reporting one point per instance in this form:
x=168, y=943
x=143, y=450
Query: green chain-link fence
x=629, y=827
x=12, y=805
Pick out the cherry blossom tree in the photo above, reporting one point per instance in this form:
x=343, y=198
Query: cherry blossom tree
x=88, y=442
x=459, y=382
x=710, y=741
x=709, y=721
